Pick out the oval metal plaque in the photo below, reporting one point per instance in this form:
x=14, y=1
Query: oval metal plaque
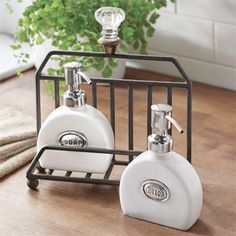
x=155, y=190
x=72, y=139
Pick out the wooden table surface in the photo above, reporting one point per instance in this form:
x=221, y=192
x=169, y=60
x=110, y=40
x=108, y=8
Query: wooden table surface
x=83, y=209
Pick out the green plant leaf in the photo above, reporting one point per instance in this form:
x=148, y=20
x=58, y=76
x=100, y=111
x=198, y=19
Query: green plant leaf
x=136, y=45
x=154, y=16
x=99, y=64
x=143, y=49
x=112, y=62
x=19, y=72
x=22, y=35
x=128, y=33
x=150, y=31
x=27, y=55
x=26, y=22
x=20, y=22
x=51, y=71
x=123, y=47
x=87, y=47
x=39, y=39
x=15, y=46
x=76, y=47
x=9, y=8
x=107, y=72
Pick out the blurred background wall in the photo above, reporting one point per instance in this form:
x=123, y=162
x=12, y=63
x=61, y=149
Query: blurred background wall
x=201, y=34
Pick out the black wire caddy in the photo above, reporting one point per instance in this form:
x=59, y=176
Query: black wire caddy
x=36, y=172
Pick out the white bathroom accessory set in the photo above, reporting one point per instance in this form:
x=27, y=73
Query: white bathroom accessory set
x=158, y=185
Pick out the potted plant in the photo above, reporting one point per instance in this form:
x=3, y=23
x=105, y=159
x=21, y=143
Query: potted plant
x=70, y=25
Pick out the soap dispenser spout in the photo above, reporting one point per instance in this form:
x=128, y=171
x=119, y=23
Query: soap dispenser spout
x=82, y=77
x=175, y=123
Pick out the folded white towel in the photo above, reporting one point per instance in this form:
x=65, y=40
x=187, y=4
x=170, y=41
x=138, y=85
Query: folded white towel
x=11, y=149
x=15, y=126
x=17, y=140
x=16, y=161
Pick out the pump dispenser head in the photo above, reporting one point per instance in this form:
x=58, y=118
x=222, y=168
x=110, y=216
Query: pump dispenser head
x=160, y=141
x=74, y=77
x=110, y=18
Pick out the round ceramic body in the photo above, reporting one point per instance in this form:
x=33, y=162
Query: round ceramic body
x=163, y=189
x=89, y=122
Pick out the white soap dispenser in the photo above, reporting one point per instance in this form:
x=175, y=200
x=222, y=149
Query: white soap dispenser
x=159, y=185
x=76, y=124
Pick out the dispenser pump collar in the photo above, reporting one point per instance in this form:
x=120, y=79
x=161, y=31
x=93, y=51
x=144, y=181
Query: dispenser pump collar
x=160, y=141
x=74, y=77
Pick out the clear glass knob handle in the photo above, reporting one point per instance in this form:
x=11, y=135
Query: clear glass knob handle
x=110, y=18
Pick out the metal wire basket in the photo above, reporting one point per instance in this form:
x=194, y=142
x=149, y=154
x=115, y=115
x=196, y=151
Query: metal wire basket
x=35, y=172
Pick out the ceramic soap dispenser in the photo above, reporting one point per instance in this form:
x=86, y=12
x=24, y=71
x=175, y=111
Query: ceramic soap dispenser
x=160, y=185
x=76, y=124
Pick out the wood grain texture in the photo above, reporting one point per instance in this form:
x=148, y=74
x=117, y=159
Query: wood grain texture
x=80, y=209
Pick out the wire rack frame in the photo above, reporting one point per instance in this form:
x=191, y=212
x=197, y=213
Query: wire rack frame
x=35, y=172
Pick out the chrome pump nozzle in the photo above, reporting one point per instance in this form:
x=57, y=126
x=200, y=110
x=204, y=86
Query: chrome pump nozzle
x=74, y=77
x=160, y=141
